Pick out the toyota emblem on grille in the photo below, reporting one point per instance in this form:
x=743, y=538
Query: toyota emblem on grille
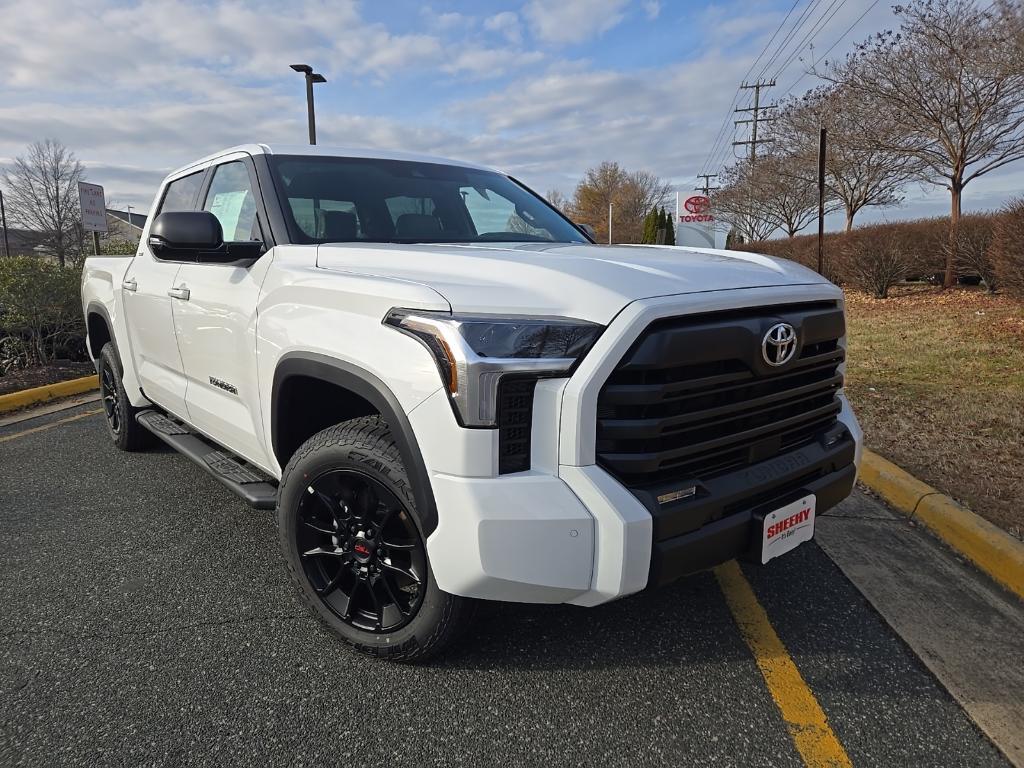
x=779, y=344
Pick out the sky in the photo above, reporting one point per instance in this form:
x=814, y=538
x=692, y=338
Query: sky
x=542, y=89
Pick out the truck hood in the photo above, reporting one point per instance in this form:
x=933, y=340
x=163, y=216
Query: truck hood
x=588, y=282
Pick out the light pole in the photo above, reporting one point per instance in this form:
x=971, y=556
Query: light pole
x=311, y=77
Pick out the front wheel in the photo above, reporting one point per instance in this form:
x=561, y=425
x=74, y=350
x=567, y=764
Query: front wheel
x=354, y=546
x=125, y=431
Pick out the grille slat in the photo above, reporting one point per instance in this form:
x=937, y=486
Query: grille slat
x=693, y=397
x=652, y=427
x=649, y=461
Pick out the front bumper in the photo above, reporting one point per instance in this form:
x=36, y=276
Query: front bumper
x=828, y=474
x=567, y=531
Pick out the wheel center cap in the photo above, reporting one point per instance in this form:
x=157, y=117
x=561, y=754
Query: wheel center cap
x=363, y=550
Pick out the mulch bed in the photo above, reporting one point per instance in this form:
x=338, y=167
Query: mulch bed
x=53, y=373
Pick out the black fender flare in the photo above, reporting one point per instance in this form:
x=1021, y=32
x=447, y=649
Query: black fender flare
x=380, y=396
x=97, y=308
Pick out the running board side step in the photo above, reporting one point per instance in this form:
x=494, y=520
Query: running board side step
x=231, y=472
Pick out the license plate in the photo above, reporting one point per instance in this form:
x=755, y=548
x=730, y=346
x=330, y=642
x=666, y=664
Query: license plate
x=787, y=527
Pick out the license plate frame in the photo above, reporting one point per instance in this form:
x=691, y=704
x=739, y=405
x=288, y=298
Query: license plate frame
x=787, y=527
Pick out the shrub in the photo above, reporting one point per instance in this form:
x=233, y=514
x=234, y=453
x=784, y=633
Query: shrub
x=915, y=248
x=1007, y=251
x=876, y=263
x=40, y=314
x=974, y=246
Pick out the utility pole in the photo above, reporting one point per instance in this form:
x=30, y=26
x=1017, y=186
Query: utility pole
x=3, y=222
x=706, y=187
x=311, y=77
x=609, y=223
x=756, y=109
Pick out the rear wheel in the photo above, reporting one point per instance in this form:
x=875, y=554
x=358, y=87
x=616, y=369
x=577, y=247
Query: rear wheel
x=354, y=545
x=125, y=431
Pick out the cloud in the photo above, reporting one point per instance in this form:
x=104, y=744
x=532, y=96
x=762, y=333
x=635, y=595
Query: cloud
x=490, y=62
x=652, y=9
x=447, y=21
x=94, y=45
x=572, y=21
x=506, y=23
x=137, y=87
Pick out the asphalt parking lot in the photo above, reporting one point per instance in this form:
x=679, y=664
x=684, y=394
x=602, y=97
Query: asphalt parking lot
x=148, y=620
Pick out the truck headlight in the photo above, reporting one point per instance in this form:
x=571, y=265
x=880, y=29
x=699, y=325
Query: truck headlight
x=473, y=352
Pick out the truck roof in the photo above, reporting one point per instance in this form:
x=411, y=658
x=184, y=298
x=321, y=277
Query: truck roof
x=326, y=151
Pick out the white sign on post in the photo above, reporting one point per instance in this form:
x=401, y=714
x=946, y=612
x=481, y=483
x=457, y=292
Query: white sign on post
x=94, y=207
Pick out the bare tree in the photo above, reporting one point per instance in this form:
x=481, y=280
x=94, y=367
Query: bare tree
x=741, y=203
x=557, y=199
x=951, y=83
x=857, y=173
x=42, y=195
x=631, y=195
x=788, y=191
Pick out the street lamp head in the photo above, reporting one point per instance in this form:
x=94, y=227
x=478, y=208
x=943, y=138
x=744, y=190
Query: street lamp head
x=316, y=77
x=302, y=68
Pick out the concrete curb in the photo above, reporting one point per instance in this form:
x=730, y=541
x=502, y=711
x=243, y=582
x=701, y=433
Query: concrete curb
x=990, y=548
x=35, y=395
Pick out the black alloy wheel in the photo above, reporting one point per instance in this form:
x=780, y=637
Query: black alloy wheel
x=109, y=394
x=361, y=551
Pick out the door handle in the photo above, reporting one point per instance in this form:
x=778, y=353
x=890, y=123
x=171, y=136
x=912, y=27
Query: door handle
x=181, y=292
x=130, y=285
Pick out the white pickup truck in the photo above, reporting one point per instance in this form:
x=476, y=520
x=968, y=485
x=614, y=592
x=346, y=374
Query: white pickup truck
x=448, y=392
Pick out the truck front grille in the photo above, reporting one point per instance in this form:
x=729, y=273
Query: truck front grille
x=693, y=397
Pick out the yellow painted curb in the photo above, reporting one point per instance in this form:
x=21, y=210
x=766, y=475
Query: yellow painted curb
x=51, y=391
x=990, y=548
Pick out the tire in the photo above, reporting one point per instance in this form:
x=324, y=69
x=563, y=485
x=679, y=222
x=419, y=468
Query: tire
x=354, y=546
x=125, y=431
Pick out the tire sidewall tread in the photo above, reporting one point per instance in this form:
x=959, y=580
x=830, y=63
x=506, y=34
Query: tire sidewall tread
x=366, y=444
x=133, y=436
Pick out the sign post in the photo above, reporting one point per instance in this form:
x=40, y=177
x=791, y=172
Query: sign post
x=821, y=201
x=694, y=223
x=94, y=212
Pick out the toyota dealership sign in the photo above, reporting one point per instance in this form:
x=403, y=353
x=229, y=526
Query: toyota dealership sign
x=694, y=223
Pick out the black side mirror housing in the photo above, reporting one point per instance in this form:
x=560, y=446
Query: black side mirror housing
x=197, y=236
x=182, y=234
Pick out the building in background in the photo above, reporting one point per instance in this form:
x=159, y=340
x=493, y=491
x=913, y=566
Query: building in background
x=124, y=225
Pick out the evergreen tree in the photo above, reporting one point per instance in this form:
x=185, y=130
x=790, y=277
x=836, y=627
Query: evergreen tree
x=650, y=227
x=670, y=230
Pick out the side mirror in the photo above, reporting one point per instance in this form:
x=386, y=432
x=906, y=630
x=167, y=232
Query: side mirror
x=182, y=235
x=589, y=230
x=197, y=236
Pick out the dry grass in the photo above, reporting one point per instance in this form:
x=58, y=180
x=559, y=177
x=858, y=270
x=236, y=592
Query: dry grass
x=937, y=379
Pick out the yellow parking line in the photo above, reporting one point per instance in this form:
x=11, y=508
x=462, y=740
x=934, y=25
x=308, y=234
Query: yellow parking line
x=807, y=724
x=44, y=427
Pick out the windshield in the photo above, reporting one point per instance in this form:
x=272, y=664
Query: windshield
x=345, y=199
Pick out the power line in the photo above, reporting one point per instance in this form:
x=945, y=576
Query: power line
x=756, y=117
x=825, y=18
x=797, y=27
x=707, y=188
x=720, y=135
x=831, y=47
